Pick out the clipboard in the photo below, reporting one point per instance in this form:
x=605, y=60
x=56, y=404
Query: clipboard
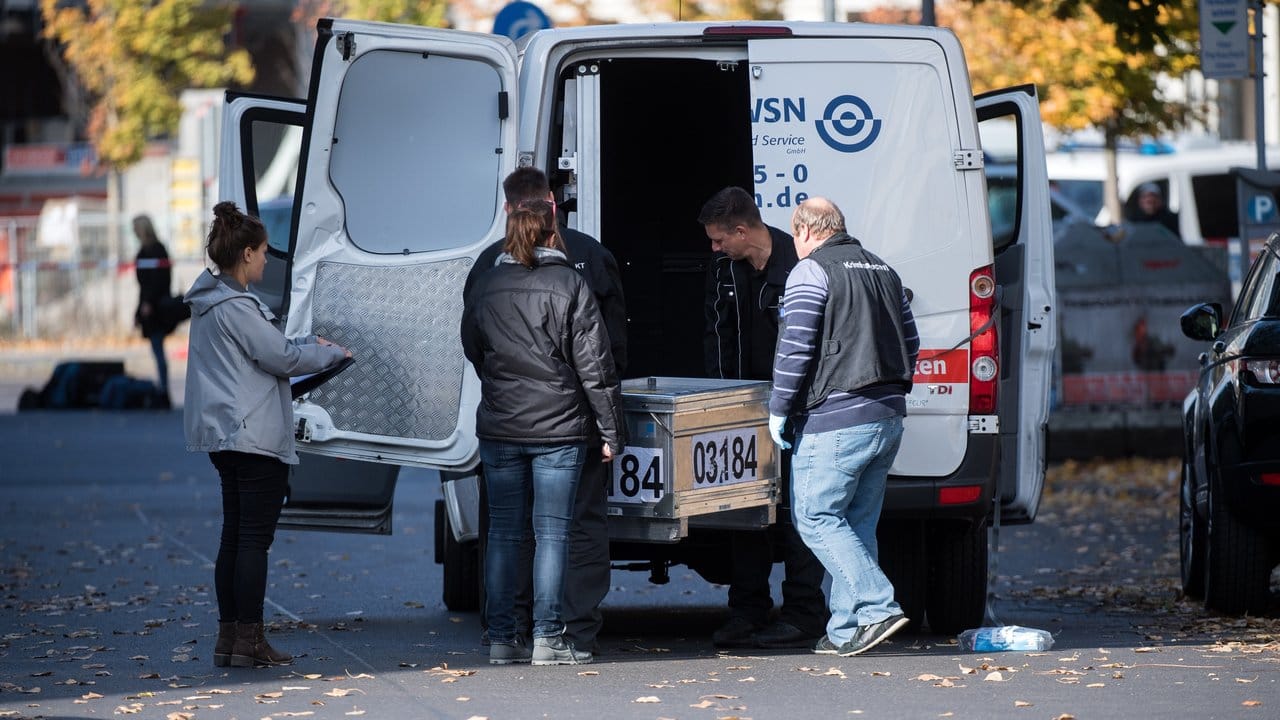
x=303, y=384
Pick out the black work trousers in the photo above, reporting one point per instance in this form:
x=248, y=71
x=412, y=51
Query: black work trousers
x=253, y=492
x=803, y=604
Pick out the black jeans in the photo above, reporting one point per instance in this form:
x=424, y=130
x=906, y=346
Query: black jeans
x=587, y=580
x=803, y=603
x=253, y=491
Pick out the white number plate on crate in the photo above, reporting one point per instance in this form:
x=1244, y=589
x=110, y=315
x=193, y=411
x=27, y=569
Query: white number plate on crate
x=637, y=477
x=724, y=458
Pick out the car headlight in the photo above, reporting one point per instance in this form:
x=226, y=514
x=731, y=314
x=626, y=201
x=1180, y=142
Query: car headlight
x=1267, y=372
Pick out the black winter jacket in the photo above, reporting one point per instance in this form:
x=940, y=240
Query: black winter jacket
x=598, y=268
x=538, y=343
x=154, y=281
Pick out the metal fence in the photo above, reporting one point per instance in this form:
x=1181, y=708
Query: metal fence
x=70, y=280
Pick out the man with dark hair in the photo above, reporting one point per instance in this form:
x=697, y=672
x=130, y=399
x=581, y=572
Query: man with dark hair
x=844, y=366
x=744, y=284
x=588, y=580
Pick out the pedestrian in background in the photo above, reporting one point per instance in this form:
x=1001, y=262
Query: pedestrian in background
x=548, y=387
x=1152, y=209
x=155, y=280
x=744, y=284
x=239, y=409
x=846, y=403
x=587, y=587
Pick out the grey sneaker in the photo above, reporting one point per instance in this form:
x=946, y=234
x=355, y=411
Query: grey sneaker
x=826, y=647
x=556, y=650
x=511, y=652
x=869, y=636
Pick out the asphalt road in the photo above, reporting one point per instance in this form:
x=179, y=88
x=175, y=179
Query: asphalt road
x=106, y=610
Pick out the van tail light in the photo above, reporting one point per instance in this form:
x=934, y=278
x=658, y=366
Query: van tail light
x=1270, y=478
x=984, y=348
x=961, y=495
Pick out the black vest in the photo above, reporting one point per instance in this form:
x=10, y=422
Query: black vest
x=862, y=342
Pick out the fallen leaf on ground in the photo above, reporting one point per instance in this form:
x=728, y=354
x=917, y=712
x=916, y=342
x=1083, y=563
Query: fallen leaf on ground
x=1021, y=703
x=703, y=705
x=589, y=673
x=91, y=696
x=646, y=699
x=343, y=692
x=879, y=673
x=1251, y=703
x=994, y=677
x=927, y=677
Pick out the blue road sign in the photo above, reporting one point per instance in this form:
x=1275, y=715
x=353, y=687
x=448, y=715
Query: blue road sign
x=1262, y=208
x=520, y=18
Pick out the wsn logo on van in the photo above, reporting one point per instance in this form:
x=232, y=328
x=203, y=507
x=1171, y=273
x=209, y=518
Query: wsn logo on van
x=847, y=124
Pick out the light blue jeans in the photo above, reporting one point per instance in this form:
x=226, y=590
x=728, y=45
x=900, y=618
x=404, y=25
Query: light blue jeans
x=531, y=491
x=837, y=486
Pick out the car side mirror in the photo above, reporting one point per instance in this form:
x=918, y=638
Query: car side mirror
x=1202, y=322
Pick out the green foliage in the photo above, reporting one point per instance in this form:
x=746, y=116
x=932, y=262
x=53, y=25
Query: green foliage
x=429, y=13
x=1140, y=25
x=135, y=57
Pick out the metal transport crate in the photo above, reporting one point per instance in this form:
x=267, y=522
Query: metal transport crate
x=698, y=454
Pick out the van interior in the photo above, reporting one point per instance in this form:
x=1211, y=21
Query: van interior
x=672, y=133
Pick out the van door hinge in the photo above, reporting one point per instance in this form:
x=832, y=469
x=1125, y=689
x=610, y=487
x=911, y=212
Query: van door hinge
x=567, y=162
x=346, y=43
x=967, y=159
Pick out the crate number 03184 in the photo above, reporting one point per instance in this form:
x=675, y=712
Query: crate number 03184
x=637, y=476
x=724, y=458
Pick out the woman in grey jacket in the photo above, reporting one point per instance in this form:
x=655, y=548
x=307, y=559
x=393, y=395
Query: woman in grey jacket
x=238, y=408
x=548, y=395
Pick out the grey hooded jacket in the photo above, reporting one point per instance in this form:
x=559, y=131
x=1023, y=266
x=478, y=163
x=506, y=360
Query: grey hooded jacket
x=238, y=369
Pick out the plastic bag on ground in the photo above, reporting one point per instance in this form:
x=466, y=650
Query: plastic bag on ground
x=1005, y=637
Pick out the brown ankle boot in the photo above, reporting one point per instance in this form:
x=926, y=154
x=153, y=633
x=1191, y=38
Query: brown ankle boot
x=226, y=639
x=251, y=648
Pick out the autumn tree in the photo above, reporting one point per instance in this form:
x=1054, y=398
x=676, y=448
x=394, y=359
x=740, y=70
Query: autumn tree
x=135, y=57
x=1091, y=68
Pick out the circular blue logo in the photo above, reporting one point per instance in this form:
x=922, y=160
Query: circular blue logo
x=847, y=124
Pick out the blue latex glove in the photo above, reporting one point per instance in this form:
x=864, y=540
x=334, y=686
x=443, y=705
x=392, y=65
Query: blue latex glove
x=776, y=425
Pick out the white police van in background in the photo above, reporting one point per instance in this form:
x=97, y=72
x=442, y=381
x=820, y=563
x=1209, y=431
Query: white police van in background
x=407, y=133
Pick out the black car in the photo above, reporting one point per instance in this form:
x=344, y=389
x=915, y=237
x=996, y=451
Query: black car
x=1230, y=495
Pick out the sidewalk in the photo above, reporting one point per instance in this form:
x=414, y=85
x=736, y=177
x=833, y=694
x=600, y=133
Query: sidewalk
x=29, y=364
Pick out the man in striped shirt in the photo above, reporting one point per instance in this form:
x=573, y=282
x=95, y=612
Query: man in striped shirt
x=845, y=360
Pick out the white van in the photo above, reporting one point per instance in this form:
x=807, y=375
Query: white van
x=1196, y=182
x=407, y=133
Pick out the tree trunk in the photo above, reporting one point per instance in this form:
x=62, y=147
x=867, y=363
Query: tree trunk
x=1110, y=181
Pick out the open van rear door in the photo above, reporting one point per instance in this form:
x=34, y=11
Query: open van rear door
x=411, y=131
x=261, y=150
x=1024, y=271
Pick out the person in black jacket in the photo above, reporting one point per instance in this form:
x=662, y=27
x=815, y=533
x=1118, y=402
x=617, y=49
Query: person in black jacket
x=589, y=533
x=549, y=392
x=744, y=285
x=154, y=280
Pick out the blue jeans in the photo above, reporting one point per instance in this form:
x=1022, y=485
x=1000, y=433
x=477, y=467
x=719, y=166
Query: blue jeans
x=838, y=483
x=531, y=490
x=162, y=367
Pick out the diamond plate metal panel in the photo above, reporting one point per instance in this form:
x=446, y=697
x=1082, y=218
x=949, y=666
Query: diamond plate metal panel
x=401, y=323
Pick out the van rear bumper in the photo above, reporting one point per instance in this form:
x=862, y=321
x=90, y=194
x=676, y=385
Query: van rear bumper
x=917, y=497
